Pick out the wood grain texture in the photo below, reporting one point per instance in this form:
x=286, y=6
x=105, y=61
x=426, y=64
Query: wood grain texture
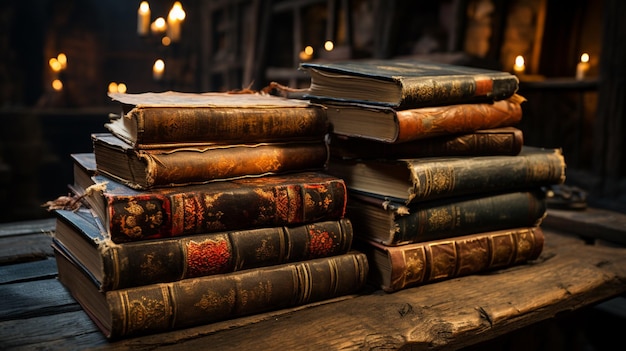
x=444, y=315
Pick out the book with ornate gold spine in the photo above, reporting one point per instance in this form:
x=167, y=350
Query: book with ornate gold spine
x=399, y=267
x=162, y=307
x=152, y=168
x=116, y=266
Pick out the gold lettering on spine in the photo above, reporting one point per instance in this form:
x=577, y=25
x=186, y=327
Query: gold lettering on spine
x=440, y=219
x=414, y=262
x=178, y=213
x=144, y=312
x=212, y=299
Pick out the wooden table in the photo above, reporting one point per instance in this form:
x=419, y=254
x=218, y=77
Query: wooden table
x=570, y=275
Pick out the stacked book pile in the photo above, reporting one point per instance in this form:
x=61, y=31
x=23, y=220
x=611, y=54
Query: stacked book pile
x=440, y=182
x=205, y=207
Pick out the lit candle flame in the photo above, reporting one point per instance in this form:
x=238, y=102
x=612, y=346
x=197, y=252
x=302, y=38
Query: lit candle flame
x=329, y=45
x=519, y=66
x=57, y=85
x=55, y=65
x=143, y=18
x=584, y=57
x=157, y=69
x=62, y=58
x=159, y=25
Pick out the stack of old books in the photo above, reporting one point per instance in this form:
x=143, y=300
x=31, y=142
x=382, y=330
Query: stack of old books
x=440, y=182
x=205, y=207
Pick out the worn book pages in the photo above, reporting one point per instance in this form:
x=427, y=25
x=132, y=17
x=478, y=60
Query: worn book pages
x=155, y=120
x=406, y=83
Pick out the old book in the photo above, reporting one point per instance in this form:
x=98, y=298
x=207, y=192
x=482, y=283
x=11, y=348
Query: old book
x=484, y=142
x=420, y=179
x=155, y=120
x=192, y=302
x=406, y=83
x=84, y=167
x=399, y=267
x=151, y=168
x=116, y=266
x=391, y=125
x=246, y=203
x=394, y=224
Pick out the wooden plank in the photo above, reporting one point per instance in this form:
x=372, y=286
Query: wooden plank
x=448, y=314
x=27, y=227
x=25, y=248
x=69, y=331
x=591, y=223
x=16, y=273
x=35, y=298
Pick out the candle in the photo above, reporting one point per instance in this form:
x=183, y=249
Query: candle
x=582, y=67
x=112, y=87
x=307, y=53
x=329, y=45
x=55, y=65
x=174, y=20
x=143, y=18
x=62, y=58
x=158, y=26
x=158, y=69
x=519, y=67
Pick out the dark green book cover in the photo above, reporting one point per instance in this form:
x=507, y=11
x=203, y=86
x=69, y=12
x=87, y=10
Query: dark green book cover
x=114, y=266
x=392, y=223
x=406, y=83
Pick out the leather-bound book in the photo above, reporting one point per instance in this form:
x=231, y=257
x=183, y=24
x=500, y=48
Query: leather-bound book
x=176, y=119
x=117, y=266
x=152, y=168
x=483, y=142
x=246, y=203
x=396, y=224
x=414, y=180
x=163, y=307
x=394, y=126
x=406, y=83
x=393, y=268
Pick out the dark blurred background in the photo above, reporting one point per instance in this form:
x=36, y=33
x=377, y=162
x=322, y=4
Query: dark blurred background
x=48, y=113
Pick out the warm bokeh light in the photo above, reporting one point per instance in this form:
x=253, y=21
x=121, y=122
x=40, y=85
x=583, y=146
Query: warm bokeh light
x=55, y=65
x=62, y=58
x=166, y=41
x=112, y=87
x=584, y=57
x=159, y=25
x=144, y=7
x=329, y=45
x=519, y=66
x=143, y=18
x=57, y=85
x=308, y=50
x=117, y=88
x=158, y=69
x=177, y=12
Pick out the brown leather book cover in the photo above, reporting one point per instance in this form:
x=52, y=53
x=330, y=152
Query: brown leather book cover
x=391, y=125
x=175, y=119
x=116, y=266
x=163, y=307
x=152, y=168
x=399, y=267
x=484, y=142
x=296, y=198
